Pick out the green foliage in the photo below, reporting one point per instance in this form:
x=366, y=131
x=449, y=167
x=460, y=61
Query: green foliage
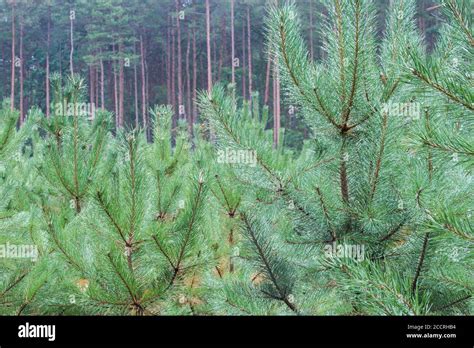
x=371, y=216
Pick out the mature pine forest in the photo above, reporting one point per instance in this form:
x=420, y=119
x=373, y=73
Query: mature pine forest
x=236, y=157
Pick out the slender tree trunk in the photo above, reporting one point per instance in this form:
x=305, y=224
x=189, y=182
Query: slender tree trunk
x=194, y=115
x=232, y=38
x=12, y=93
x=168, y=66
x=91, y=87
x=208, y=41
x=249, y=51
x=311, y=46
x=188, y=86
x=22, y=72
x=117, y=112
x=181, y=109
x=48, y=45
x=142, y=58
x=96, y=79
x=276, y=105
x=102, y=81
x=244, y=68
x=223, y=50
x=147, y=94
x=121, y=86
x=267, y=80
x=135, y=87
x=173, y=76
x=71, y=53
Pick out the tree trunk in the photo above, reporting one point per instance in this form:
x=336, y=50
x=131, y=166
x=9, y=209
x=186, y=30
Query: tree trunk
x=249, y=51
x=223, y=49
x=194, y=115
x=22, y=72
x=181, y=110
x=135, y=87
x=115, y=90
x=96, y=79
x=244, y=63
x=102, y=96
x=71, y=53
x=121, y=86
x=188, y=86
x=232, y=38
x=208, y=41
x=48, y=45
x=142, y=58
x=173, y=77
x=12, y=93
x=267, y=80
x=276, y=105
x=91, y=87
x=311, y=46
x=168, y=66
x=147, y=93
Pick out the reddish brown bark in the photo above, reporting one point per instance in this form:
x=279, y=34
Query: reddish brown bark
x=208, y=42
x=181, y=111
x=12, y=93
x=121, y=86
x=102, y=96
x=91, y=85
x=276, y=105
x=135, y=87
x=22, y=72
x=48, y=45
x=249, y=51
x=244, y=63
x=142, y=58
x=194, y=114
x=188, y=85
x=232, y=38
x=71, y=34
x=267, y=81
x=222, y=50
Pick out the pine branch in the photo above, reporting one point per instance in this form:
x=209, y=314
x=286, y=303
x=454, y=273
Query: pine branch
x=268, y=269
x=441, y=89
x=420, y=262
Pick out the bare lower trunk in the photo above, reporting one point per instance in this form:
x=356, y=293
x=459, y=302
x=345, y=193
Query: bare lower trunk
x=311, y=46
x=249, y=51
x=142, y=58
x=71, y=33
x=194, y=114
x=48, y=44
x=115, y=92
x=208, y=41
x=91, y=87
x=121, y=86
x=232, y=38
x=188, y=87
x=12, y=93
x=102, y=96
x=244, y=63
x=135, y=88
x=22, y=72
x=267, y=81
x=276, y=105
x=181, y=110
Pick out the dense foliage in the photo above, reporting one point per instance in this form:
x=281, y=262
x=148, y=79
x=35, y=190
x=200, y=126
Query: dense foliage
x=372, y=216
